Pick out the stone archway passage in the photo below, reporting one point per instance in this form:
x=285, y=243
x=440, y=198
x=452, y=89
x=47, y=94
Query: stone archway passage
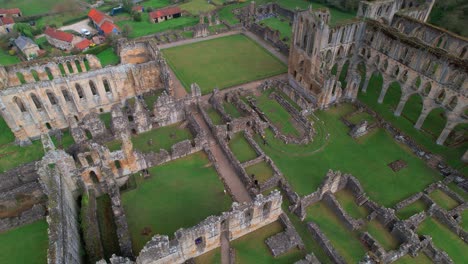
x=435, y=122
x=413, y=108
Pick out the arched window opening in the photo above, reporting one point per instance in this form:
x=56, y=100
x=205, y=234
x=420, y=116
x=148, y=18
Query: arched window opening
x=107, y=87
x=440, y=98
x=79, y=91
x=69, y=67
x=117, y=164
x=20, y=104
x=62, y=69
x=20, y=77
x=36, y=101
x=48, y=126
x=78, y=66
x=52, y=99
x=35, y=75
x=66, y=96
x=452, y=103
x=49, y=73
x=93, y=88
x=93, y=177
x=427, y=89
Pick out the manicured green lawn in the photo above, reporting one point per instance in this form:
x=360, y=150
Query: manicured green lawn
x=25, y=244
x=225, y=13
x=7, y=59
x=222, y=62
x=277, y=114
x=358, y=118
x=155, y=3
x=458, y=190
x=346, y=242
x=212, y=257
x=145, y=27
x=443, y=200
x=108, y=57
x=107, y=228
x=412, y=209
x=241, y=148
x=346, y=200
x=252, y=248
x=195, y=7
x=464, y=223
x=12, y=156
x=281, y=24
x=378, y=231
x=231, y=110
x=179, y=194
x=261, y=170
x=30, y=7
x=163, y=138
x=444, y=239
x=426, y=136
x=420, y=259
x=106, y=118
x=305, y=166
x=214, y=116
x=151, y=98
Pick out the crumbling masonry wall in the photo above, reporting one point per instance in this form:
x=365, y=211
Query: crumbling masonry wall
x=191, y=242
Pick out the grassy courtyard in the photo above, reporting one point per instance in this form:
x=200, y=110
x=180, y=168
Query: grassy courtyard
x=443, y=200
x=179, y=194
x=346, y=200
x=427, y=135
x=343, y=240
x=108, y=57
x=444, y=239
x=242, y=148
x=222, y=62
x=262, y=171
x=281, y=24
x=26, y=244
x=305, y=166
x=156, y=139
x=252, y=248
x=412, y=209
x=378, y=231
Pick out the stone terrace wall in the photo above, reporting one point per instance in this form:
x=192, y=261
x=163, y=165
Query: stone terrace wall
x=191, y=242
x=64, y=237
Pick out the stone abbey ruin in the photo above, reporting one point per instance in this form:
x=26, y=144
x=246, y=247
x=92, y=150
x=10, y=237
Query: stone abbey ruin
x=48, y=100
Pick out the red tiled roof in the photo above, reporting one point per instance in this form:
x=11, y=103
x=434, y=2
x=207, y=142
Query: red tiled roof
x=12, y=11
x=165, y=12
x=57, y=34
x=97, y=16
x=108, y=27
x=6, y=20
x=137, y=8
x=83, y=44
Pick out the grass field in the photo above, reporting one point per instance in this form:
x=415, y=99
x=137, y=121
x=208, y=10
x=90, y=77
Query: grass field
x=108, y=57
x=280, y=24
x=26, y=244
x=230, y=109
x=458, y=190
x=214, y=116
x=252, y=248
x=358, y=118
x=211, y=257
x=7, y=59
x=340, y=152
x=145, y=27
x=195, y=7
x=179, y=194
x=241, y=148
x=420, y=259
x=163, y=138
x=444, y=239
x=30, y=7
x=107, y=228
x=155, y=3
x=345, y=241
x=426, y=137
x=443, y=200
x=277, y=114
x=346, y=200
x=262, y=171
x=464, y=223
x=412, y=209
x=222, y=62
x=378, y=231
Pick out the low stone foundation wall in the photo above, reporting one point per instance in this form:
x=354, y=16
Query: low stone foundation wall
x=325, y=243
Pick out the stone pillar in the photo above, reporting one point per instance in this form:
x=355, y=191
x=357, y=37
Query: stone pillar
x=73, y=65
x=401, y=104
x=446, y=132
x=383, y=92
x=422, y=117
x=83, y=66
x=28, y=77
x=366, y=81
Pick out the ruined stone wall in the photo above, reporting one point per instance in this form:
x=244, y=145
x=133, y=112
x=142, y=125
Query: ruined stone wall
x=56, y=170
x=384, y=10
x=35, y=107
x=431, y=35
x=325, y=243
x=194, y=241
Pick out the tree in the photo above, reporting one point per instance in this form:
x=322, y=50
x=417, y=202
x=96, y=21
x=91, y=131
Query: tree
x=126, y=30
x=24, y=28
x=137, y=17
x=127, y=6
